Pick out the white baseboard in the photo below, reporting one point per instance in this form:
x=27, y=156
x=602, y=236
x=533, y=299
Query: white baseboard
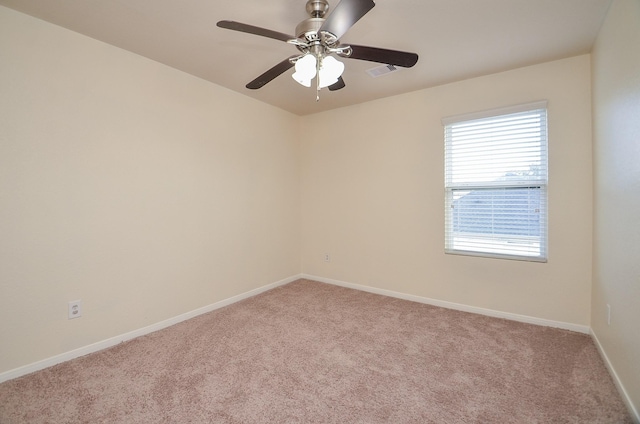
x=616, y=379
x=104, y=344
x=457, y=306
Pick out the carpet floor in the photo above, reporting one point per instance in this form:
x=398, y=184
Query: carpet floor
x=309, y=352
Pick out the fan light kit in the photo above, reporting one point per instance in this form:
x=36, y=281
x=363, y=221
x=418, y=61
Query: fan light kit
x=317, y=39
x=327, y=68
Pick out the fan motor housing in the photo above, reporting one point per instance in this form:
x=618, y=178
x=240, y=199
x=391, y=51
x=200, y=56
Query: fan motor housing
x=308, y=29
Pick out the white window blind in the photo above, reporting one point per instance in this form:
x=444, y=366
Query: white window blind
x=496, y=183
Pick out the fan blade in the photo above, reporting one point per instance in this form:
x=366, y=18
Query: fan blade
x=344, y=15
x=271, y=74
x=338, y=85
x=237, y=26
x=388, y=57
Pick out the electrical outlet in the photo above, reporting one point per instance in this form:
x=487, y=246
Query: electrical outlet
x=75, y=309
x=608, y=314
x=327, y=258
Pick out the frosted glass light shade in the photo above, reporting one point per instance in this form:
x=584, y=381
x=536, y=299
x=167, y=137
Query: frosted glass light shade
x=330, y=70
x=305, y=70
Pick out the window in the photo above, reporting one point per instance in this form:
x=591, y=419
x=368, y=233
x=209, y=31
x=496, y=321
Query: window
x=496, y=183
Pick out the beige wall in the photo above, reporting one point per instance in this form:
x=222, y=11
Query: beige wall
x=616, y=112
x=139, y=189
x=373, y=196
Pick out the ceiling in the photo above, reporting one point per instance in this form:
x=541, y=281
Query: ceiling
x=455, y=39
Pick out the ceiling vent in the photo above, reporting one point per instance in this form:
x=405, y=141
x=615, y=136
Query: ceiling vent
x=381, y=70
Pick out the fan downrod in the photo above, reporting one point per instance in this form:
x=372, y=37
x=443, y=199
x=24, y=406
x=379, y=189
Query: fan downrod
x=317, y=8
x=308, y=29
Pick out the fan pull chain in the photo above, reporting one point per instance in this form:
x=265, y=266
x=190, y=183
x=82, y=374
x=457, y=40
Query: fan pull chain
x=318, y=79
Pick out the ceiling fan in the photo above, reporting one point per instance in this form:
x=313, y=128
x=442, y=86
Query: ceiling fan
x=317, y=39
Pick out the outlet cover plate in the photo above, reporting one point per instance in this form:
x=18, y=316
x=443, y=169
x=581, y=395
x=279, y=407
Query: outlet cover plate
x=75, y=309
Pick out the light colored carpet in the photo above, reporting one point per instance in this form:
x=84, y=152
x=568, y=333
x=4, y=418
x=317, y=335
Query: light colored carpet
x=309, y=352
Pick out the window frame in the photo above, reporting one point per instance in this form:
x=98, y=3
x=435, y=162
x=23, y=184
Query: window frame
x=500, y=251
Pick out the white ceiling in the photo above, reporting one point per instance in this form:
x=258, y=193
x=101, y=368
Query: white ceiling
x=455, y=39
